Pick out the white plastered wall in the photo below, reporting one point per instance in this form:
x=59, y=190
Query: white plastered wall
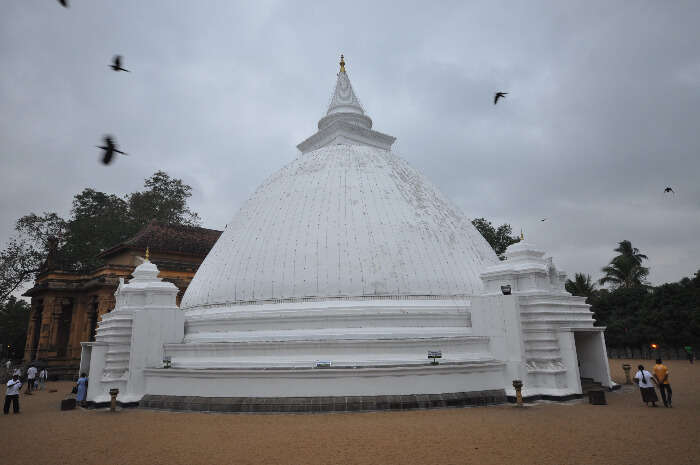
x=592, y=356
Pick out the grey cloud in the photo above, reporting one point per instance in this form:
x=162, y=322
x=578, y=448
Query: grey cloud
x=602, y=113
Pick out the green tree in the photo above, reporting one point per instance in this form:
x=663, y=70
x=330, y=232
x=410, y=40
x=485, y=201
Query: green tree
x=581, y=285
x=672, y=310
x=165, y=200
x=619, y=311
x=97, y=222
x=27, y=250
x=499, y=238
x=626, y=270
x=14, y=317
x=636, y=316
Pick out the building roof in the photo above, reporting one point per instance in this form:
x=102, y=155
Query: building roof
x=169, y=238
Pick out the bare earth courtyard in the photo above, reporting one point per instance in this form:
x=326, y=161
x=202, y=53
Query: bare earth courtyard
x=623, y=432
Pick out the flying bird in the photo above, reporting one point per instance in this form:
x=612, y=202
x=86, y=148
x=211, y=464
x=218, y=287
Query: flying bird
x=110, y=148
x=63, y=3
x=668, y=189
x=117, y=64
x=499, y=95
x=543, y=219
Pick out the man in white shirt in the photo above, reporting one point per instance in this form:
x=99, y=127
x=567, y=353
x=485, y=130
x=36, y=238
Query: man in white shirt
x=646, y=386
x=12, y=395
x=31, y=377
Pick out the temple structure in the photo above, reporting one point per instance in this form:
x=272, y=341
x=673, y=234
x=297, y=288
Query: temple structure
x=67, y=305
x=348, y=282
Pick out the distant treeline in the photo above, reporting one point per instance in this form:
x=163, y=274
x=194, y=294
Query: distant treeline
x=636, y=314
x=667, y=315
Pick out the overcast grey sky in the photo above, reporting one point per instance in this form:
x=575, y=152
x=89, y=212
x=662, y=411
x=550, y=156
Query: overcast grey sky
x=603, y=110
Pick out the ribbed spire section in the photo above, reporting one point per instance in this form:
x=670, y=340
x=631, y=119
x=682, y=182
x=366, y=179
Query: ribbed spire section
x=344, y=99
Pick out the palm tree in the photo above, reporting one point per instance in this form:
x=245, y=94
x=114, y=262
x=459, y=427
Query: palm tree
x=626, y=270
x=581, y=285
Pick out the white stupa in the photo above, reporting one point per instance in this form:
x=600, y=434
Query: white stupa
x=343, y=271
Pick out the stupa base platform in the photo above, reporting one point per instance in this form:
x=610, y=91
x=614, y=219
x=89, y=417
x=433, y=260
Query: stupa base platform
x=323, y=404
x=336, y=381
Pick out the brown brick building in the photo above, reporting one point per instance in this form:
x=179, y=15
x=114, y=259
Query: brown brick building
x=66, y=306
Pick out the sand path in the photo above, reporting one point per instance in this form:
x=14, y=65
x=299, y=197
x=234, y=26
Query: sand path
x=623, y=432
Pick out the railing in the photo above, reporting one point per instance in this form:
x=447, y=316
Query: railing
x=647, y=353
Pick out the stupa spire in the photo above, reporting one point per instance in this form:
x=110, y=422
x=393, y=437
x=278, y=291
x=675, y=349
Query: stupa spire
x=344, y=99
x=345, y=121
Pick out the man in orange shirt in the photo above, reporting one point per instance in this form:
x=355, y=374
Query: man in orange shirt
x=661, y=375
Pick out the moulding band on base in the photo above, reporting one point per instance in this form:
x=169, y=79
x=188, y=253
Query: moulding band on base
x=537, y=397
x=323, y=404
x=94, y=405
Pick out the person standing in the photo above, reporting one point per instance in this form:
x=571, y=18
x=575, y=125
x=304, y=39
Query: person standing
x=43, y=376
x=12, y=395
x=661, y=376
x=31, y=378
x=82, y=388
x=689, y=352
x=646, y=385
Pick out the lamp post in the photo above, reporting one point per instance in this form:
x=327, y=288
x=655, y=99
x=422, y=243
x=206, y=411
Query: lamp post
x=518, y=385
x=113, y=403
x=626, y=367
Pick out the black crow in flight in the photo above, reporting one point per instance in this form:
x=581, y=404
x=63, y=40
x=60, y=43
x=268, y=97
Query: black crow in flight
x=117, y=64
x=499, y=95
x=110, y=148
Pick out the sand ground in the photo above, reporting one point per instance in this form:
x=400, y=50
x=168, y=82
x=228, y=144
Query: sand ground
x=623, y=432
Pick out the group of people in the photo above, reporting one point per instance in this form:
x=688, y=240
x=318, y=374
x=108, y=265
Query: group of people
x=647, y=384
x=35, y=380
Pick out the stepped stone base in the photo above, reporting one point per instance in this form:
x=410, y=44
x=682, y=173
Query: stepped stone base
x=97, y=405
x=323, y=404
x=512, y=399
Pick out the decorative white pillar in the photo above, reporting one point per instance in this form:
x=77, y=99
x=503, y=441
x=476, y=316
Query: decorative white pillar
x=547, y=318
x=131, y=337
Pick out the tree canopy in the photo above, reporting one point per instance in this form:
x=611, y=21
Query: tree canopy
x=581, y=285
x=499, y=238
x=14, y=317
x=635, y=313
x=626, y=270
x=636, y=316
x=97, y=222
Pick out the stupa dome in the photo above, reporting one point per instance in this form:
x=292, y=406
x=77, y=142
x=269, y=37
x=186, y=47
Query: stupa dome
x=348, y=282
x=346, y=218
